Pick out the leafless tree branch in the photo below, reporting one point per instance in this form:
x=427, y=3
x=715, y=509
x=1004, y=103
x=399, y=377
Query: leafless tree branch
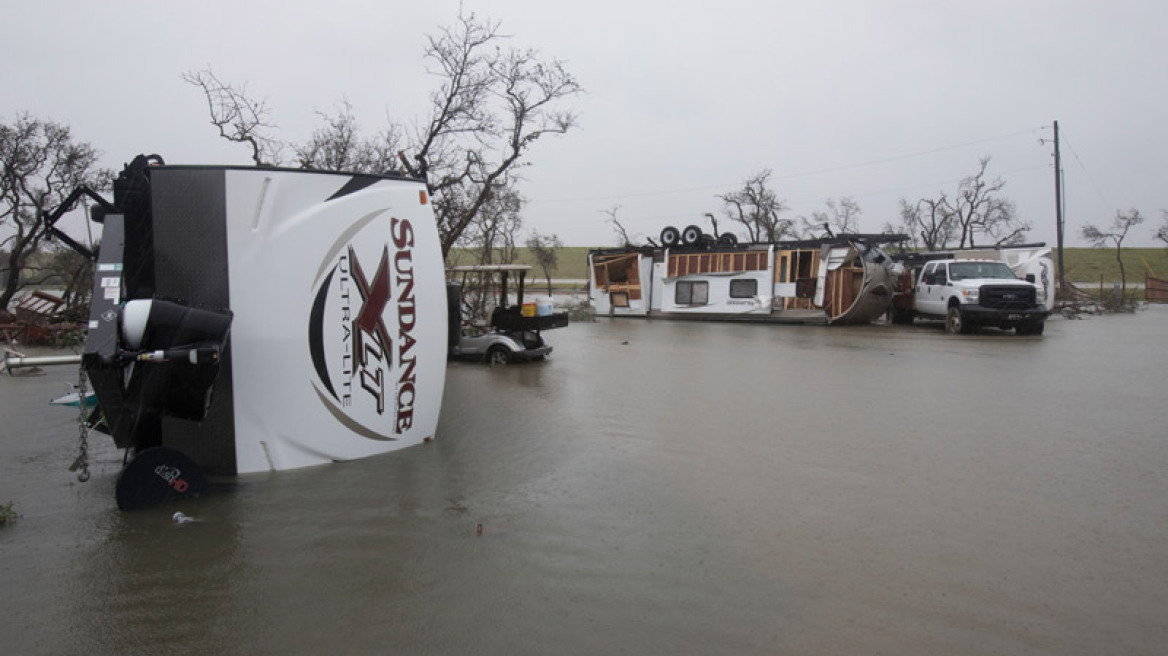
x=238, y=117
x=758, y=209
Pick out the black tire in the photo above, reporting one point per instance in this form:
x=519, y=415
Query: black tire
x=1031, y=328
x=955, y=323
x=158, y=475
x=902, y=316
x=498, y=355
x=727, y=239
x=691, y=235
x=670, y=236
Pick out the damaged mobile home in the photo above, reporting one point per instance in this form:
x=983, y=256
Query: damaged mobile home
x=845, y=279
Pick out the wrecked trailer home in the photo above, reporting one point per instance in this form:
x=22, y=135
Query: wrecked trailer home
x=845, y=279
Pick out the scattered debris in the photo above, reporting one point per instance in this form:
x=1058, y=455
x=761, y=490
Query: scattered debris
x=180, y=518
x=73, y=397
x=6, y=365
x=38, y=318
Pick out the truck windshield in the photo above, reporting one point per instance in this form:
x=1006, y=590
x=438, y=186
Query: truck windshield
x=963, y=270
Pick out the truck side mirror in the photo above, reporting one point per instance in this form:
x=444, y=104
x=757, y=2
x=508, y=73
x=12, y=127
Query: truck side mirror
x=1030, y=278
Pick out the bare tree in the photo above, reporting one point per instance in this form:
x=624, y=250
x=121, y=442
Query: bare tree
x=40, y=165
x=491, y=106
x=72, y=272
x=930, y=219
x=905, y=225
x=238, y=117
x=843, y=215
x=1162, y=231
x=978, y=207
x=622, y=235
x=545, y=250
x=757, y=208
x=812, y=228
x=492, y=238
x=339, y=145
x=1115, y=234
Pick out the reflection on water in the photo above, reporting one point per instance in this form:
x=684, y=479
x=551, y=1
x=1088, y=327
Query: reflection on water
x=659, y=487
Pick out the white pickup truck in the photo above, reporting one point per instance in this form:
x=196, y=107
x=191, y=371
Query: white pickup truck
x=968, y=294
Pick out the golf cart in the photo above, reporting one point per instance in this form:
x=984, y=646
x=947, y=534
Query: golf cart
x=513, y=333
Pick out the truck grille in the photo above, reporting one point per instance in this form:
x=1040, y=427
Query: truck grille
x=1001, y=297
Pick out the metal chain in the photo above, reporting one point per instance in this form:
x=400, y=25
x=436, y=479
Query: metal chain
x=82, y=461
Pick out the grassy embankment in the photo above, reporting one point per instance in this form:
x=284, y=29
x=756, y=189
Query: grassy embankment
x=1084, y=265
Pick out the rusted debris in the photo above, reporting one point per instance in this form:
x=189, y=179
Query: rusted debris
x=38, y=320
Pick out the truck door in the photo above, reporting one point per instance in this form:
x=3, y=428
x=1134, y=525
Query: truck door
x=928, y=292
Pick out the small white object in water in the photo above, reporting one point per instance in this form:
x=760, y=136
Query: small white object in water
x=180, y=518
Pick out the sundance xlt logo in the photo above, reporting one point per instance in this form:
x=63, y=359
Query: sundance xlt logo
x=361, y=329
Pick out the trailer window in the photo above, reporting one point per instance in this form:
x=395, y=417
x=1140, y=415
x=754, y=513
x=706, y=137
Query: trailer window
x=743, y=288
x=692, y=293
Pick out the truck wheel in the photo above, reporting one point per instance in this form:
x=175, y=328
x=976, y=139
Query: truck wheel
x=691, y=235
x=670, y=236
x=727, y=239
x=902, y=316
x=955, y=323
x=1031, y=328
x=498, y=355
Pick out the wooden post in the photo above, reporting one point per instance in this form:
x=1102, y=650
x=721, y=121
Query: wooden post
x=1058, y=207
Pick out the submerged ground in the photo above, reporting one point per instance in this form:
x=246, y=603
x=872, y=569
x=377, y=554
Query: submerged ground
x=655, y=487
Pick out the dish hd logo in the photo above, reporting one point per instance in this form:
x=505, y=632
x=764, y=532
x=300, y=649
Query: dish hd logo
x=349, y=338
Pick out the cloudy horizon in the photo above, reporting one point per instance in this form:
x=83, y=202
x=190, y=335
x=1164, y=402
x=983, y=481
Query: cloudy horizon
x=683, y=101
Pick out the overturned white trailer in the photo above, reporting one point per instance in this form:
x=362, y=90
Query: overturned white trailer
x=250, y=319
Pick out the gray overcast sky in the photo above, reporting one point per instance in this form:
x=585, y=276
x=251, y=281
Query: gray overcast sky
x=876, y=100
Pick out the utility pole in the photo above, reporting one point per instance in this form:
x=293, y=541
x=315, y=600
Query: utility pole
x=1058, y=207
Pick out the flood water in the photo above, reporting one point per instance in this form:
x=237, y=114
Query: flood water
x=654, y=488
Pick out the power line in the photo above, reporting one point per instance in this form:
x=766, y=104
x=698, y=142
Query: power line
x=1003, y=174
x=921, y=153
x=1087, y=173
x=645, y=217
x=788, y=176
